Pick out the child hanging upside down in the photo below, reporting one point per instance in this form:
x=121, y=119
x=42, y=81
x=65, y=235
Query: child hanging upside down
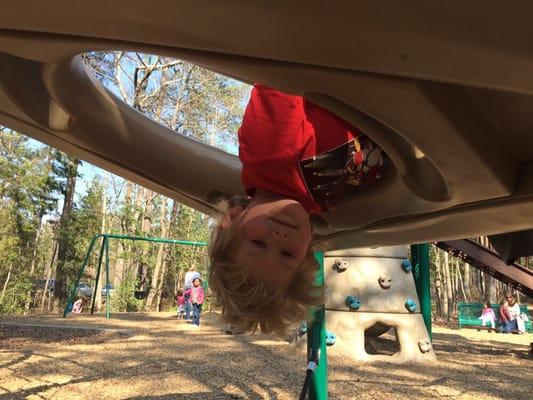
x=297, y=159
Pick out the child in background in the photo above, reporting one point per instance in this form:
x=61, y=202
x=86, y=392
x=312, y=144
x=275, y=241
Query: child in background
x=197, y=299
x=180, y=302
x=505, y=316
x=487, y=316
x=297, y=159
x=77, y=307
x=516, y=321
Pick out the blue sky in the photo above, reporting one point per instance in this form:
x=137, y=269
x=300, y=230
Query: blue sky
x=89, y=171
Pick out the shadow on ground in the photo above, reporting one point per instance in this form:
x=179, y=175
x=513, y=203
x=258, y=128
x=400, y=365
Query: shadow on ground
x=165, y=359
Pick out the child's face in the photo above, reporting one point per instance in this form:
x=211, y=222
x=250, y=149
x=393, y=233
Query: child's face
x=196, y=282
x=273, y=236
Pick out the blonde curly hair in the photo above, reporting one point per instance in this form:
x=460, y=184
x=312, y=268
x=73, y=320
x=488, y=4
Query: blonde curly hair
x=247, y=304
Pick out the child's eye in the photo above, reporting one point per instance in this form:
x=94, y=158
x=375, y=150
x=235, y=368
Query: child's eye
x=259, y=243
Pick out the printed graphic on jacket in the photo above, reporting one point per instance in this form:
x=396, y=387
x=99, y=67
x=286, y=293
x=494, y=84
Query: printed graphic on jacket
x=329, y=175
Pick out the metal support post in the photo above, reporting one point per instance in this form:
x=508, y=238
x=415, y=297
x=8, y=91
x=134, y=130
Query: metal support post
x=420, y=261
x=316, y=340
x=107, y=297
x=98, y=274
x=105, y=249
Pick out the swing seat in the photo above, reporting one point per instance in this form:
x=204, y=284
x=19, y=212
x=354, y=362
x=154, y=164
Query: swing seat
x=140, y=294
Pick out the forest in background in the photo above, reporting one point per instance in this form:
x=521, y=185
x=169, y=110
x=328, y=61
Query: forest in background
x=453, y=280
x=50, y=212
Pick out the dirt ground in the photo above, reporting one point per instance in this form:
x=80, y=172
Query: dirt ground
x=154, y=356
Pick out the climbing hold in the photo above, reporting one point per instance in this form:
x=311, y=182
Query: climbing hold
x=330, y=338
x=385, y=281
x=410, y=305
x=353, y=302
x=340, y=265
x=424, y=345
x=406, y=265
x=302, y=330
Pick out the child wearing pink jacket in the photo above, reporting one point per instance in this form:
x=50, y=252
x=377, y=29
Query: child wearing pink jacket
x=487, y=316
x=197, y=296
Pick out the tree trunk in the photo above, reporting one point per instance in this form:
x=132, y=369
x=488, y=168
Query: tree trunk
x=448, y=285
x=442, y=306
x=162, y=281
x=466, y=282
x=128, y=227
x=461, y=282
x=46, y=292
x=98, y=294
x=34, y=259
x=482, y=285
x=155, y=285
x=6, y=282
x=60, y=289
x=144, y=215
x=453, y=272
x=490, y=290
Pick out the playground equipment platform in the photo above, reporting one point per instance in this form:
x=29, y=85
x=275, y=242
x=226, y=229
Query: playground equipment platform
x=491, y=263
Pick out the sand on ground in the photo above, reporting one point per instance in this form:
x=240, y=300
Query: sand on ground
x=145, y=356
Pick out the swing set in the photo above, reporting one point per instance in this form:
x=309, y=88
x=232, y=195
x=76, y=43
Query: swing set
x=104, y=251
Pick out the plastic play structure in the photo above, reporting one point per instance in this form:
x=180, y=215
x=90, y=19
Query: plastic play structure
x=490, y=262
x=104, y=252
x=370, y=291
x=456, y=123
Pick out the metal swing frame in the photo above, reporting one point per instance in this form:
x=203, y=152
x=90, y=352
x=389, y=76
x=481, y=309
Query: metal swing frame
x=104, y=249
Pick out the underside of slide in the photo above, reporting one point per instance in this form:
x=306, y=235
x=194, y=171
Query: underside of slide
x=488, y=261
x=445, y=88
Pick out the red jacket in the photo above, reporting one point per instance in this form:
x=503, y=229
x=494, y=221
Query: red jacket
x=292, y=147
x=505, y=315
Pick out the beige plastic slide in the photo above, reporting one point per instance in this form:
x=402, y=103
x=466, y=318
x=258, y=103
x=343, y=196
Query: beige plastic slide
x=445, y=88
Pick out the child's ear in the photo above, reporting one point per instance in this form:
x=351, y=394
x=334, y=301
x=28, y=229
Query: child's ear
x=233, y=213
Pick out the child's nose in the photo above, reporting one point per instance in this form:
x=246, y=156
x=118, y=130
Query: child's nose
x=279, y=234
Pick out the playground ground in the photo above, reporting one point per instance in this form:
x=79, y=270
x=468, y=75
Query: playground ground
x=153, y=356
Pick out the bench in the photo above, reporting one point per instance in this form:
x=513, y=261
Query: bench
x=469, y=314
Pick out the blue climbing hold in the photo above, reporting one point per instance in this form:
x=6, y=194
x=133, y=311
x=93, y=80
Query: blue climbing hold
x=406, y=265
x=69, y=307
x=410, y=305
x=302, y=330
x=330, y=338
x=353, y=302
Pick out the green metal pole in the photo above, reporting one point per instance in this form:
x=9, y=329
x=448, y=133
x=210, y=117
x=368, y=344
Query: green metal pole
x=98, y=275
x=107, y=297
x=156, y=240
x=420, y=261
x=316, y=339
x=80, y=274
